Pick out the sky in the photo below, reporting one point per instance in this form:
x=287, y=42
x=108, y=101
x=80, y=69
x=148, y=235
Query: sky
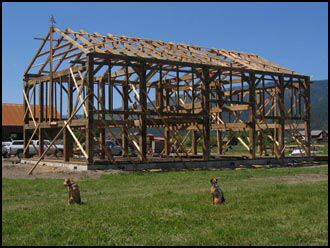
x=293, y=35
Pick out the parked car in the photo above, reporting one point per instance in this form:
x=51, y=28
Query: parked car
x=16, y=148
x=116, y=149
x=5, y=149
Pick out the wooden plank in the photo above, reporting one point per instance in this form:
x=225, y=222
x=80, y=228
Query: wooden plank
x=79, y=90
x=57, y=74
x=75, y=139
x=252, y=114
x=37, y=54
x=243, y=143
x=29, y=107
x=90, y=104
x=68, y=38
x=86, y=42
x=142, y=117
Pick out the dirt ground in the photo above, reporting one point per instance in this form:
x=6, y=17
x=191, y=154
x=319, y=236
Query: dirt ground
x=13, y=169
x=298, y=178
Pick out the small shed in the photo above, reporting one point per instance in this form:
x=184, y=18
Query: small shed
x=318, y=136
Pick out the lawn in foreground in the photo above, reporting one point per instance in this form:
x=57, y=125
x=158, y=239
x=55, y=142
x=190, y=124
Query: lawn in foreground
x=169, y=208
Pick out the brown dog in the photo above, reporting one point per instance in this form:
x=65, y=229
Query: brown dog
x=73, y=189
x=217, y=194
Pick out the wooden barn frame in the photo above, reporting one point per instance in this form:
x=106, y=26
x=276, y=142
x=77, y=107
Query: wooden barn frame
x=181, y=90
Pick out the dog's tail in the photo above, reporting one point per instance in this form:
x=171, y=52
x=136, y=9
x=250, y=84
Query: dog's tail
x=222, y=197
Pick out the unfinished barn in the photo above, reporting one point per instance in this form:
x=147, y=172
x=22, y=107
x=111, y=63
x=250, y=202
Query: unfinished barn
x=106, y=87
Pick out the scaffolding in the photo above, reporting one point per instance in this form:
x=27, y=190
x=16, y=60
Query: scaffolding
x=92, y=88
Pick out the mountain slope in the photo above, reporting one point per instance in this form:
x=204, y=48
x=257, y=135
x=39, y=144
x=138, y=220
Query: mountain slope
x=319, y=104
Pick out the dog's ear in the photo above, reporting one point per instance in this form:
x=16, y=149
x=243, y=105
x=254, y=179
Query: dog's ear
x=213, y=180
x=66, y=181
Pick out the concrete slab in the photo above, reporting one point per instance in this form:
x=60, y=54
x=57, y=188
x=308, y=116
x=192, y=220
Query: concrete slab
x=182, y=165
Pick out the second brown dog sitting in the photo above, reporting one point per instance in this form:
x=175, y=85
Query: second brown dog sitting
x=74, y=192
x=217, y=194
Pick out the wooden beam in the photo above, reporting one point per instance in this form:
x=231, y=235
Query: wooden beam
x=142, y=117
x=89, y=108
x=206, y=115
x=252, y=114
x=58, y=74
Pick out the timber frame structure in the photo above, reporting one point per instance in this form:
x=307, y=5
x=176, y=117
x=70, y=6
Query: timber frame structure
x=180, y=90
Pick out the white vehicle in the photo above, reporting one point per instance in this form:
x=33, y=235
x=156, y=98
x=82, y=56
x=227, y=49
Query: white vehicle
x=16, y=148
x=5, y=149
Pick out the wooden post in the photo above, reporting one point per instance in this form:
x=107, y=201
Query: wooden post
x=26, y=118
x=160, y=92
x=142, y=116
x=206, y=114
x=41, y=117
x=219, y=132
x=51, y=91
x=252, y=115
x=125, y=88
x=102, y=129
x=219, y=141
x=167, y=137
x=281, y=114
x=194, y=142
x=90, y=104
x=67, y=138
x=307, y=117
x=260, y=143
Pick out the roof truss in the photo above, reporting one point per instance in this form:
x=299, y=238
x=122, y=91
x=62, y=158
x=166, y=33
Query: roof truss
x=71, y=47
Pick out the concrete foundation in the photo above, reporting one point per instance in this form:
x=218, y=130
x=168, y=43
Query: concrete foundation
x=212, y=164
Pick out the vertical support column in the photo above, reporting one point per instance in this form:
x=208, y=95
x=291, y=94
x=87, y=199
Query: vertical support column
x=160, y=92
x=281, y=121
x=252, y=116
x=307, y=117
x=102, y=129
x=259, y=103
x=219, y=99
x=90, y=104
x=110, y=89
x=142, y=117
x=51, y=91
x=206, y=115
x=219, y=142
x=167, y=137
x=260, y=143
x=167, y=129
x=125, y=88
x=41, y=116
x=67, y=138
x=26, y=133
x=194, y=141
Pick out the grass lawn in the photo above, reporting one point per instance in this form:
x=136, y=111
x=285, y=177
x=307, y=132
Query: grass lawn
x=169, y=208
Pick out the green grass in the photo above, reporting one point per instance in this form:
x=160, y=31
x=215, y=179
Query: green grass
x=168, y=208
